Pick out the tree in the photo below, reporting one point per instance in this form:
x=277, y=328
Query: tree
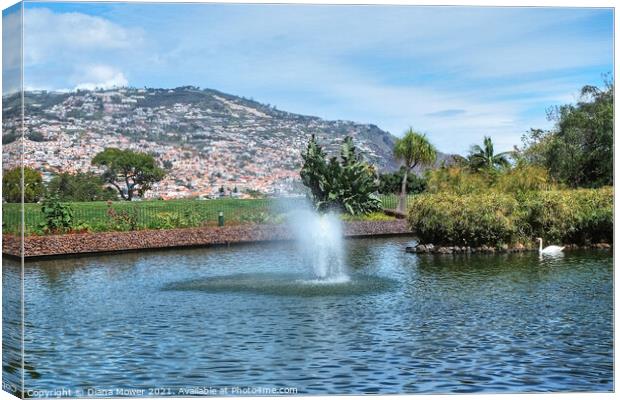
x=12, y=185
x=347, y=184
x=413, y=149
x=36, y=136
x=80, y=187
x=131, y=173
x=485, y=159
x=578, y=151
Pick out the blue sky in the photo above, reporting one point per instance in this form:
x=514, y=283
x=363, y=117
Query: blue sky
x=455, y=73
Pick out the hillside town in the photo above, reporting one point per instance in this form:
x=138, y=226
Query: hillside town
x=210, y=143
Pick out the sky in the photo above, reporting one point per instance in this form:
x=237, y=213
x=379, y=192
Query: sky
x=454, y=73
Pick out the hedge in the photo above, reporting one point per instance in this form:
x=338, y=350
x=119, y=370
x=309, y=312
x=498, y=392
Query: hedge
x=491, y=218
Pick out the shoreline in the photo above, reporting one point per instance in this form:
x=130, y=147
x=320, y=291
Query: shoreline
x=518, y=248
x=79, y=244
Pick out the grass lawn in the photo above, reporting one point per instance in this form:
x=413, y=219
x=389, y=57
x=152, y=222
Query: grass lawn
x=169, y=213
x=145, y=213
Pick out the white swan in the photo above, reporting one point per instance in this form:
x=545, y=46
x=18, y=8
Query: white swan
x=548, y=249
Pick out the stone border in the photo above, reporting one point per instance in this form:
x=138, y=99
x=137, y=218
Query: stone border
x=112, y=242
x=518, y=248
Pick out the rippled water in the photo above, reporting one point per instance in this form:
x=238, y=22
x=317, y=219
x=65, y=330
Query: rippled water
x=248, y=317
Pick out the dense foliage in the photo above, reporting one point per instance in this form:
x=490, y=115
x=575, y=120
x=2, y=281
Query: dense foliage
x=578, y=151
x=456, y=180
x=347, y=184
x=392, y=182
x=80, y=187
x=12, y=185
x=131, y=173
x=491, y=218
x=569, y=216
x=459, y=180
x=473, y=219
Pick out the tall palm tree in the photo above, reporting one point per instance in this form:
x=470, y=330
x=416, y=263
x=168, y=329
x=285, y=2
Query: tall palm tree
x=413, y=149
x=484, y=158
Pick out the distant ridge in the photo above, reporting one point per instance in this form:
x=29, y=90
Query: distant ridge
x=208, y=138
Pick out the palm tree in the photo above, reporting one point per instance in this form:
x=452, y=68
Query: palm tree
x=485, y=158
x=413, y=149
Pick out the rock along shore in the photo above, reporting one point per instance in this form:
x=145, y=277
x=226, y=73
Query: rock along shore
x=432, y=249
x=110, y=242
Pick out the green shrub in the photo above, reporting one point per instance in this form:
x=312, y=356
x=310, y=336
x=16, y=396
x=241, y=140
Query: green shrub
x=550, y=215
x=457, y=180
x=560, y=216
x=262, y=217
x=58, y=217
x=522, y=179
x=122, y=220
x=595, y=221
x=569, y=216
x=473, y=220
x=171, y=220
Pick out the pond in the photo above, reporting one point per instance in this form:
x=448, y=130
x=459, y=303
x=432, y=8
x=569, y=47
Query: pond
x=252, y=317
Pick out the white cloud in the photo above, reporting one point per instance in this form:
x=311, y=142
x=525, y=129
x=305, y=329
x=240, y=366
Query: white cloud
x=77, y=50
x=99, y=76
x=50, y=36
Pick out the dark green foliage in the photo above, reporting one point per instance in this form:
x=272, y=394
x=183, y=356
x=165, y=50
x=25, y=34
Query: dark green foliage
x=36, y=136
x=559, y=216
x=255, y=194
x=392, y=182
x=347, y=184
x=9, y=137
x=131, y=173
x=579, y=150
x=58, y=217
x=80, y=187
x=12, y=185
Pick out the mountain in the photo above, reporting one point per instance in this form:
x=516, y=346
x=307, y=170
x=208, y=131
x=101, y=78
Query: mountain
x=206, y=138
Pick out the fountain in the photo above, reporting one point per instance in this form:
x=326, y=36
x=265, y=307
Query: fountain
x=320, y=245
x=319, y=239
